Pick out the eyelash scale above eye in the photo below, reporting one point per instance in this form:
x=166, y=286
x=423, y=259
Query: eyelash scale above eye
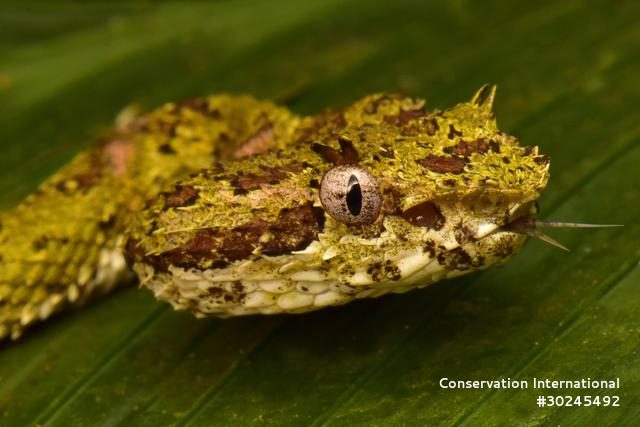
x=349, y=193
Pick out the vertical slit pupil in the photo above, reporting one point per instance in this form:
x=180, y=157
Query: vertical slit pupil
x=354, y=196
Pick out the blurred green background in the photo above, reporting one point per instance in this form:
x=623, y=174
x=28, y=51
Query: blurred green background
x=568, y=74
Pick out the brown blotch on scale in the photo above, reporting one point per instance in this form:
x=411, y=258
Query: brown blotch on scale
x=223, y=139
x=443, y=164
x=431, y=126
x=82, y=182
x=40, y=243
x=459, y=259
x=215, y=292
x=183, y=195
x=237, y=287
x=430, y=248
x=466, y=148
x=375, y=271
x=108, y=223
x=346, y=156
x=503, y=250
x=404, y=116
x=201, y=105
x=197, y=104
x=258, y=143
x=294, y=229
x=133, y=252
x=373, y=106
x=222, y=295
x=453, y=132
x=392, y=271
x=269, y=176
x=87, y=180
x=541, y=160
x=463, y=234
x=231, y=298
x=166, y=149
x=426, y=214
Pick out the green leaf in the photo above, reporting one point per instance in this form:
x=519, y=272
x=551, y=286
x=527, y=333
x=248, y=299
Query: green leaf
x=569, y=81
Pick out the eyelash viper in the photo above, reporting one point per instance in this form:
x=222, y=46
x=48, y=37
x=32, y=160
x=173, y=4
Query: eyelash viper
x=230, y=206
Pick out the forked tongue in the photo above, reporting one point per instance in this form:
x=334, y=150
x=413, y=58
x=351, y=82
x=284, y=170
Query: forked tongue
x=531, y=227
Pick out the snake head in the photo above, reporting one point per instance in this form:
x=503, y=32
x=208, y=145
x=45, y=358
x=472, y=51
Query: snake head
x=383, y=196
x=448, y=186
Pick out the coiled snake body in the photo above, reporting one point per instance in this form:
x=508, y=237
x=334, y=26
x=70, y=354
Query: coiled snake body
x=229, y=206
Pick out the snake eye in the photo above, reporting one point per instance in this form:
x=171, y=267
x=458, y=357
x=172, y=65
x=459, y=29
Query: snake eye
x=350, y=195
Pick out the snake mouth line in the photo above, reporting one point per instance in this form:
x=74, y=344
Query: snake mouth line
x=516, y=213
